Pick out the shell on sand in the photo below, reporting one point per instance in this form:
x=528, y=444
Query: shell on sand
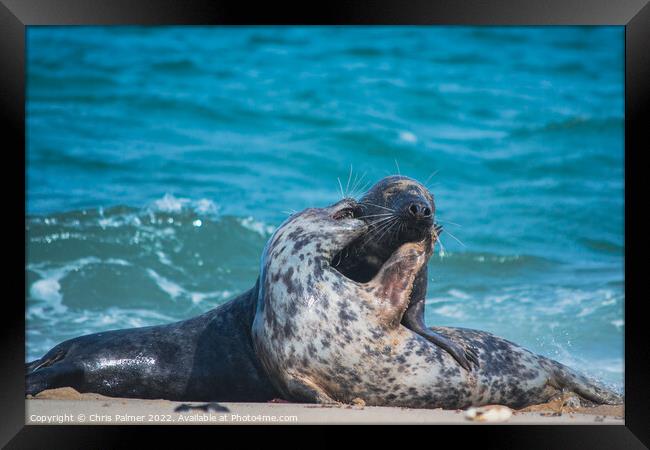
x=489, y=413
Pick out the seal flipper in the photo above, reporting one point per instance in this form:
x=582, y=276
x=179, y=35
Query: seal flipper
x=53, y=377
x=564, y=377
x=414, y=320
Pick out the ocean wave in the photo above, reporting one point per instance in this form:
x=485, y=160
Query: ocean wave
x=176, y=291
x=173, y=251
x=171, y=204
x=481, y=263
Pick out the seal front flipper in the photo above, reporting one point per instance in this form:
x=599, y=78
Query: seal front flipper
x=463, y=355
x=414, y=321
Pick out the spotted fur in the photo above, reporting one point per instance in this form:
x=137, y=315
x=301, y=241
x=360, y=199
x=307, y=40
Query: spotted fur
x=324, y=338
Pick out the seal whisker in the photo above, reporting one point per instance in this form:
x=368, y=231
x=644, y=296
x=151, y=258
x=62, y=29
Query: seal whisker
x=379, y=222
x=347, y=186
x=387, y=226
x=454, y=237
x=361, y=188
x=391, y=231
x=341, y=187
x=378, y=206
x=442, y=251
x=449, y=222
x=356, y=183
x=387, y=229
x=356, y=180
x=436, y=235
x=433, y=174
x=375, y=215
x=377, y=229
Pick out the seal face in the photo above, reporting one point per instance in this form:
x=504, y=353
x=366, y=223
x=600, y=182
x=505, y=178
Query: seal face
x=323, y=337
x=397, y=210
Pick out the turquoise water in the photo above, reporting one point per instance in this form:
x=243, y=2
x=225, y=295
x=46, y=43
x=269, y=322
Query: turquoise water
x=159, y=160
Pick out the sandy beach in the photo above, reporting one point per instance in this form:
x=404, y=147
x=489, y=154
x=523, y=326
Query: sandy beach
x=67, y=406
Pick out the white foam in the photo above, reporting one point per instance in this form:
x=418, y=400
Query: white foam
x=47, y=289
x=618, y=323
x=407, y=136
x=117, y=262
x=168, y=286
x=498, y=298
x=57, y=237
x=164, y=259
x=205, y=206
x=450, y=311
x=258, y=227
x=171, y=204
x=176, y=291
x=609, y=365
x=457, y=293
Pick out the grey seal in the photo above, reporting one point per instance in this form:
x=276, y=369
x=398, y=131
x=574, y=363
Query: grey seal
x=209, y=357
x=323, y=337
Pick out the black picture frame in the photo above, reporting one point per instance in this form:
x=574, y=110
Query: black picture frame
x=16, y=15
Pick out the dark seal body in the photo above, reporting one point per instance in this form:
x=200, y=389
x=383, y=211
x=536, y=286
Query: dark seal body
x=209, y=357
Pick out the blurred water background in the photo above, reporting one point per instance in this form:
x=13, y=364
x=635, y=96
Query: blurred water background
x=160, y=159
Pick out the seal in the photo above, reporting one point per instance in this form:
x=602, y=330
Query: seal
x=323, y=337
x=209, y=357
x=399, y=209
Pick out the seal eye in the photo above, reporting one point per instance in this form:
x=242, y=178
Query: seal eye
x=347, y=213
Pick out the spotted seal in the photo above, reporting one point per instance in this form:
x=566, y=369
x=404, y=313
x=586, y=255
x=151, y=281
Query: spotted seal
x=323, y=337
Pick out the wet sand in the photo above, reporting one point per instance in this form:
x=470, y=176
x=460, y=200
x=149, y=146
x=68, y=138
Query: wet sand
x=67, y=406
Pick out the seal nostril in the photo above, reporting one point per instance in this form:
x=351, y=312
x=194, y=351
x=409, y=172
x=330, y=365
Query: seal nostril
x=426, y=212
x=413, y=209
